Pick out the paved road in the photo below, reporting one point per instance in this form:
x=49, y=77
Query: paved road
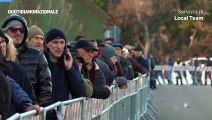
x=172, y=102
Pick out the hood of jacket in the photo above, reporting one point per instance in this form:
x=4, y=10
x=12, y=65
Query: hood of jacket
x=22, y=20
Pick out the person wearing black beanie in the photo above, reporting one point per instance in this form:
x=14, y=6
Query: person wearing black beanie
x=55, y=33
x=66, y=78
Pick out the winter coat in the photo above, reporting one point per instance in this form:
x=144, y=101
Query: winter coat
x=107, y=69
x=65, y=82
x=137, y=67
x=5, y=95
x=5, y=90
x=38, y=72
x=19, y=75
x=18, y=97
x=34, y=63
x=98, y=80
x=142, y=61
x=127, y=68
x=120, y=70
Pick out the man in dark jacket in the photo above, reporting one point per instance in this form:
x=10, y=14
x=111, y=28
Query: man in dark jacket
x=139, y=57
x=106, y=62
x=90, y=69
x=31, y=59
x=66, y=78
x=65, y=74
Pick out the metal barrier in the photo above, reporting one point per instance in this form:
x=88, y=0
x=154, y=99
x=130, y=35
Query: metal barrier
x=134, y=103
x=190, y=75
x=30, y=115
x=182, y=68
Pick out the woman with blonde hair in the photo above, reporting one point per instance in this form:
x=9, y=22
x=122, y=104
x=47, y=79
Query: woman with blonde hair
x=10, y=50
x=18, y=74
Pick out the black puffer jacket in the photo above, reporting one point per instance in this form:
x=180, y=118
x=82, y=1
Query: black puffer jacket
x=35, y=65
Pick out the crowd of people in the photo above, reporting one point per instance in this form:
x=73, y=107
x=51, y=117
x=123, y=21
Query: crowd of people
x=37, y=69
x=182, y=76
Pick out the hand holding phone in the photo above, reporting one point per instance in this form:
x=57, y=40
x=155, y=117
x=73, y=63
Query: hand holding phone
x=67, y=59
x=65, y=53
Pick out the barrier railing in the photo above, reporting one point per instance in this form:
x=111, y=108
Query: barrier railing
x=30, y=115
x=182, y=68
x=189, y=75
x=123, y=104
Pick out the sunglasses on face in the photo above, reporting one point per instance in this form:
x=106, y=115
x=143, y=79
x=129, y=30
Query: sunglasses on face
x=15, y=30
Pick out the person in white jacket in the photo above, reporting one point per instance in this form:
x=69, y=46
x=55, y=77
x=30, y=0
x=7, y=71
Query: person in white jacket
x=179, y=73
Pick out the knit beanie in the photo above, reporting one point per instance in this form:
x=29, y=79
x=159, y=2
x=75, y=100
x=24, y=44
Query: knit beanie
x=13, y=23
x=107, y=51
x=121, y=81
x=34, y=30
x=55, y=33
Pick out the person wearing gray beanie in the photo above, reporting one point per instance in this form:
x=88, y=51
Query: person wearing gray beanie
x=35, y=38
x=121, y=82
x=16, y=27
x=107, y=51
x=33, y=61
x=106, y=62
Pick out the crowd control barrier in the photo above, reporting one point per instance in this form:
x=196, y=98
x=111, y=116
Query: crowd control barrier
x=190, y=75
x=182, y=68
x=134, y=103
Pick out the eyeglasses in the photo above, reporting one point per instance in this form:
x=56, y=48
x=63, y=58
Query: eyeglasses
x=2, y=41
x=15, y=30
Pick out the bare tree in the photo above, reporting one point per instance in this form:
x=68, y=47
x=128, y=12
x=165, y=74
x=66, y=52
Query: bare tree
x=147, y=21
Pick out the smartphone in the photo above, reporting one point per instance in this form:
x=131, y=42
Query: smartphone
x=65, y=53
